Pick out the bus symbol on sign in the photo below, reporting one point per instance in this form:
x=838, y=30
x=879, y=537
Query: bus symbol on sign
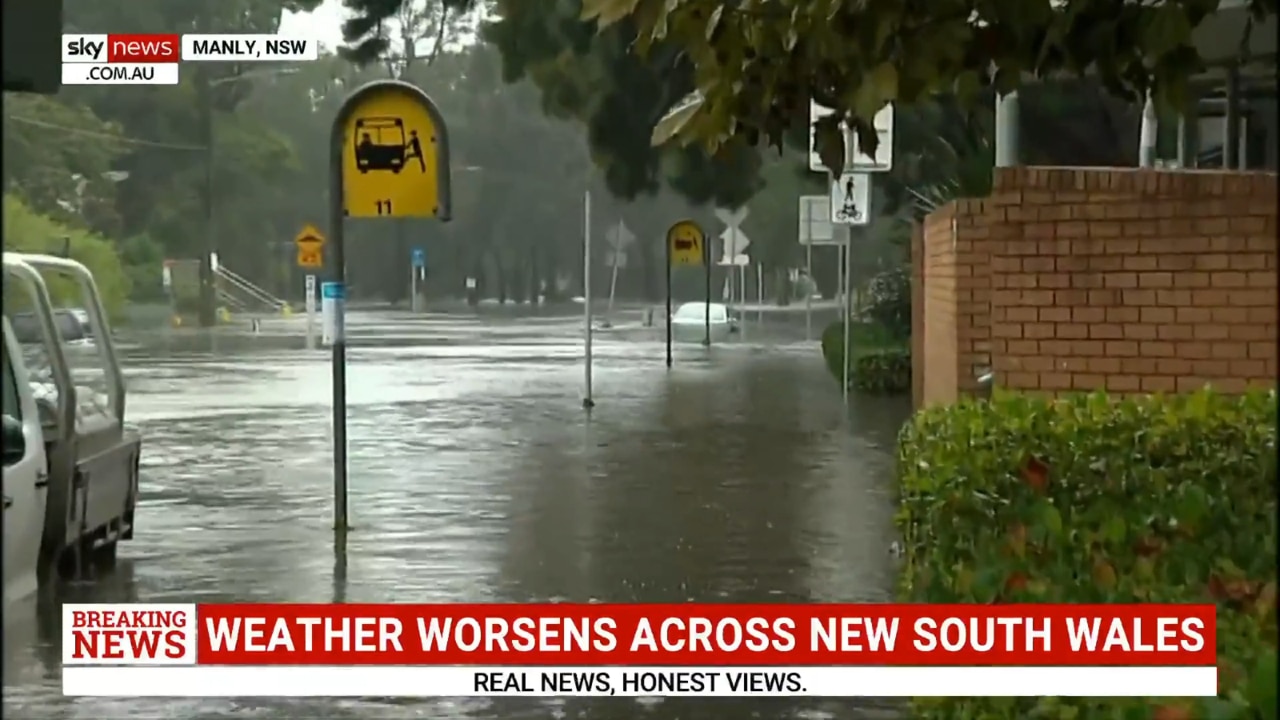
x=383, y=145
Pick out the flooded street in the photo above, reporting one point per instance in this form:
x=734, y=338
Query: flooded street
x=477, y=477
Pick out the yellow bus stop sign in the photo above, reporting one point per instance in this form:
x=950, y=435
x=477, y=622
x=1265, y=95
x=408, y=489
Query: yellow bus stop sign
x=686, y=243
x=395, y=154
x=310, y=244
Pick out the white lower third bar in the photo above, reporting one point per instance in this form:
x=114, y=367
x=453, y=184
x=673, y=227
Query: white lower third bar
x=120, y=74
x=454, y=681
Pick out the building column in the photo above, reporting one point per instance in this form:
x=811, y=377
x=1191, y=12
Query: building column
x=1148, y=135
x=1008, y=149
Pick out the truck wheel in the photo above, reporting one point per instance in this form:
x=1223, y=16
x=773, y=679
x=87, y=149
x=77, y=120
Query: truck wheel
x=105, y=556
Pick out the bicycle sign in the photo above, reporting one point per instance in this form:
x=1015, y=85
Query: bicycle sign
x=851, y=199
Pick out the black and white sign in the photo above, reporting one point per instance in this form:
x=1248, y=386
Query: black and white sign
x=851, y=199
x=854, y=159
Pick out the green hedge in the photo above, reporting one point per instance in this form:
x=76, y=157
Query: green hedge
x=882, y=372
x=881, y=363
x=1089, y=499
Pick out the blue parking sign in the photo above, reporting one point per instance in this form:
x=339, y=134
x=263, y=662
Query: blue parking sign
x=419, y=257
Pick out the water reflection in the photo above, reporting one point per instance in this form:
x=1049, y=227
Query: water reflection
x=476, y=477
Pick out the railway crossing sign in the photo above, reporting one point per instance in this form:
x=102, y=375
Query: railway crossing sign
x=734, y=240
x=851, y=199
x=686, y=243
x=395, y=154
x=310, y=244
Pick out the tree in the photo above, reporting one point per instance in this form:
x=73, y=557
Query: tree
x=758, y=64
x=595, y=79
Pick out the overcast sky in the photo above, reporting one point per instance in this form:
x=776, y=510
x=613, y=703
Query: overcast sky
x=324, y=24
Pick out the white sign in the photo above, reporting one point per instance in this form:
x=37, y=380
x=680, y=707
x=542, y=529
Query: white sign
x=615, y=258
x=167, y=277
x=619, y=236
x=311, y=295
x=734, y=242
x=471, y=283
x=311, y=311
x=854, y=158
x=815, y=221
x=851, y=199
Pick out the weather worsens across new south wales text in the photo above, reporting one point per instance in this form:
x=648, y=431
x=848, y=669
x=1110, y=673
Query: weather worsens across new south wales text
x=155, y=59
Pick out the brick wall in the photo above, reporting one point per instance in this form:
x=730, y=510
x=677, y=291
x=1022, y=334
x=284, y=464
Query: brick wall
x=1129, y=280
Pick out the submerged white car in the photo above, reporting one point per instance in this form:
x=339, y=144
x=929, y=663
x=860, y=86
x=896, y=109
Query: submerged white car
x=689, y=322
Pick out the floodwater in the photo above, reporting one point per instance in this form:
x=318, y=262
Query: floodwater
x=737, y=476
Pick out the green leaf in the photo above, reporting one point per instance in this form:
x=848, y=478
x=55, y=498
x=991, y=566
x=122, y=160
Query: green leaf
x=1051, y=519
x=1261, y=691
x=1115, y=529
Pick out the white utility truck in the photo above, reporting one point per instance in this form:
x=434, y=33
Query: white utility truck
x=70, y=464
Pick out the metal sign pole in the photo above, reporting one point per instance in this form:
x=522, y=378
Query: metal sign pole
x=808, y=290
x=338, y=369
x=364, y=184
x=848, y=307
x=587, y=401
x=413, y=288
x=706, y=264
x=667, y=243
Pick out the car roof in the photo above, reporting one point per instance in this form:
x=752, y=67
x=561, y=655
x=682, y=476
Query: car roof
x=714, y=306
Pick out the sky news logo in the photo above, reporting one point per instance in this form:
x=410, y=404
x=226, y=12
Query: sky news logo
x=122, y=48
x=172, y=48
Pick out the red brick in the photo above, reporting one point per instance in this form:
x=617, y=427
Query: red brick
x=1159, y=384
x=1211, y=332
x=1124, y=314
x=1038, y=330
x=1081, y=381
x=1121, y=348
x=1155, y=280
x=1228, y=279
x=1103, y=365
x=1055, y=381
x=1140, y=331
x=1120, y=280
x=1176, y=332
x=1124, y=383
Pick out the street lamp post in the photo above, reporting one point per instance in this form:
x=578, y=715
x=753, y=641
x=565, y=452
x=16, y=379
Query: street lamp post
x=208, y=292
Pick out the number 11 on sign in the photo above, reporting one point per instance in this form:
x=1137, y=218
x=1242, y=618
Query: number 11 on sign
x=384, y=207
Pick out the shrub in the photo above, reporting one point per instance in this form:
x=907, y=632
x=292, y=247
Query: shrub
x=28, y=231
x=889, y=302
x=879, y=357
x=882, y=372
x=1090, y=499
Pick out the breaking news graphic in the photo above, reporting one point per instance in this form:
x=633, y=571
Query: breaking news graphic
x=596, y=650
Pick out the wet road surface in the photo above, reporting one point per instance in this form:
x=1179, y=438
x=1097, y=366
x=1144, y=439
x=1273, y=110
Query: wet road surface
x=475, y=476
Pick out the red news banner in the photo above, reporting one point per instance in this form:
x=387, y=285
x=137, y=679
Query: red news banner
x=631, y=650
